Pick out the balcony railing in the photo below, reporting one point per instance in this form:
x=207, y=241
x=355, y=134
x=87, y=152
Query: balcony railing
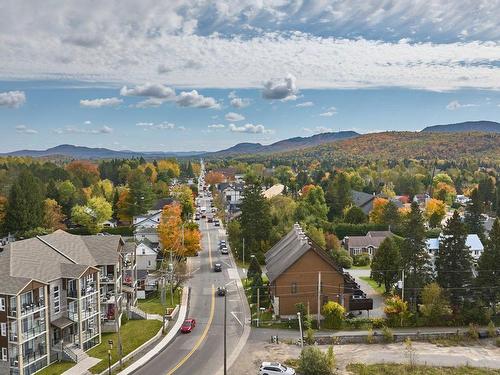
x=27, y=308
x=109, y=278
x=35, y=331
x=73, y=293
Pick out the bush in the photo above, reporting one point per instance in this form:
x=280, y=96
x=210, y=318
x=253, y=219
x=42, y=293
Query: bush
x=369, y=337
x=309, y=339
x=378, y=322
x=314, y=362
x=122, y=231
x=473, y=331
x=388, y=334
x=498, y=342
x=334, y=314
x=361, y=260
x=492, y=332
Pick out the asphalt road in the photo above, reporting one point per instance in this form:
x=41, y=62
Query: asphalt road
x=201, y=351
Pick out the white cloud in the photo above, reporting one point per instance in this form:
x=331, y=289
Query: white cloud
x=249, y=128
x=194, y=99
x=318, y=129
x=78, y=130
x=23, y=129
x=455, y=104
x=150, y=103
x=282, y=89
x=12, y=99
x=329, y=112
x=232, y=116
x=160, y=126
x=125, y=43
x=152, y=90
x=102, y=102
x=216, y=126
x=87, y=122
x=240, y=102
x=304, y=104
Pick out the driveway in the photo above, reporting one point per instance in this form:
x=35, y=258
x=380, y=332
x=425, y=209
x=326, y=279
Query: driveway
x=378, y=300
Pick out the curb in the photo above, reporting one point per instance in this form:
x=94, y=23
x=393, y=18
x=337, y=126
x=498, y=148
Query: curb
x=166, y=340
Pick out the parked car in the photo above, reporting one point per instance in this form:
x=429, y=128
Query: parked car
x=188, y=325
x=273, y=368
x=221, y=291
x=217, y=267
x=197, y=217
x=224, y=250
x=210, y=219
x=217, y=223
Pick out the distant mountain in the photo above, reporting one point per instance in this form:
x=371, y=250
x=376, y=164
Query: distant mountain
x=289, y=144
x=79, y=152
x=468, y=126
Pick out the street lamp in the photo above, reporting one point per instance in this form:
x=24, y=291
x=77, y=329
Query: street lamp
x=110, y=343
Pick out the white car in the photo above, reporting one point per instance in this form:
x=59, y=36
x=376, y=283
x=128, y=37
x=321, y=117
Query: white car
x=273, y=368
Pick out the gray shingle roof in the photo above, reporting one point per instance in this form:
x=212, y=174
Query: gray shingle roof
x=53, y=256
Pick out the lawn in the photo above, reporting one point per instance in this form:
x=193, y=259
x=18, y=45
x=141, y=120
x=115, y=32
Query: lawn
x=367, y=267
x=400, y=369
x=152, y=305
x=373, y=284
x=134, y=333
x=56, y=368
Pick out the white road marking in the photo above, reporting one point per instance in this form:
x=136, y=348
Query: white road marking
x=235, y=317
x=233, y=273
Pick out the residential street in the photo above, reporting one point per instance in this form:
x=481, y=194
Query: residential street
x=203, y=348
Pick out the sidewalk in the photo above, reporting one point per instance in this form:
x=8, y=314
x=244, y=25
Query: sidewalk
x=82, y=367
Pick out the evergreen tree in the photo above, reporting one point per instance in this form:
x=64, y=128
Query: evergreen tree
x=415, y=259
x=254, y=268
x=454, y=261
x=473, y=218
x=141, y=195
x=386, y=264
x=391, y=216
x=255, y=219
x=52, y=191
x=355, y=215
x=338, y=195
x=488, y=278
x=189, y=170
x=25, y=207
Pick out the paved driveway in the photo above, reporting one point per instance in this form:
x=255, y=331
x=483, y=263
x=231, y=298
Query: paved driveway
x=378, y=300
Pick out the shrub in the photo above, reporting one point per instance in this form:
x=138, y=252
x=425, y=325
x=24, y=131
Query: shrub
x=491, y=329
x=369, y=337
x=334, y=314
x=473, y=331
x=314, y=362
x=361, y=260
x=388, y=334
x=378, y=322
x=396, y=310
x=309, y=339
x=498, y=342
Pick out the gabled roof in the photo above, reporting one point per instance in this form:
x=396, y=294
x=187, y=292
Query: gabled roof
x=472, y=241
x=290, y=249
x=160, y=203
x=148, y=216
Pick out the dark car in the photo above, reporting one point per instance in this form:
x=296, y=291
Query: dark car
x=210, y=219
x=217, y=267
x=221, y=291
x=197, y=217
x=188, y=325
x=217, y=223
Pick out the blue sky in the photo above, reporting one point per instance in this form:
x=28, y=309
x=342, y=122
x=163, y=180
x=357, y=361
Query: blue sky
x=195, y=75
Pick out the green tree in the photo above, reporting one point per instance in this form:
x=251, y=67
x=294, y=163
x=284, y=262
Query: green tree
x=184, y=195
x=312, y=207
x=488, y=278
x=67, y=196
x=255, y=220
x=391, y=216
x=414, y=256
x=473, y=218
x=317, y=235
x=254, y=268
x=435, y=306
x=25, y=205
x=141, y=196
x=313, y=361
x=454, y=261
x=338, y=195
x=355, y=215
x=93, y=214
x=334, y=314
x=386, y=264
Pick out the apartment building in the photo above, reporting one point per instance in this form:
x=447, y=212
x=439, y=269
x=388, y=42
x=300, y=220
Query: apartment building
x=57, y=294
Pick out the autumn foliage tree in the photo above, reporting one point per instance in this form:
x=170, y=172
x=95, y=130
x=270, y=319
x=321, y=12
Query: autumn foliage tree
x=434, y=212
x=53, y=218
x=214, y=178
x=84, y=171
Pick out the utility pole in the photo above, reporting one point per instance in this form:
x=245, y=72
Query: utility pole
x=225, y=347
x=403, y=284
x=243, y=252
x=319, y=298
x=300, y=329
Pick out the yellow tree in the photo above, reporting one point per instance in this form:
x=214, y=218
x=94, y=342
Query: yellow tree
x=52, y=215
x=171, y=167
x=122, y=213
x=434, y=212
x=377, y=212
x=149, y=170
x=170, y=228
x=214, y=178
x=192, y=240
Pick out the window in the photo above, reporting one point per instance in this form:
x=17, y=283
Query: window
x=294, y=288
x=2, y=304
x=4, y=354
x=56, y=299
x=3, y=329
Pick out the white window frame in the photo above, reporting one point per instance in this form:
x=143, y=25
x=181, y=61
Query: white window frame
x=4, y=354
x=2, y=304
x=57, y=299
x=3, y=329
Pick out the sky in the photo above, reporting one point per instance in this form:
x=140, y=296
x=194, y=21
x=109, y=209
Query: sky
x=192, y=75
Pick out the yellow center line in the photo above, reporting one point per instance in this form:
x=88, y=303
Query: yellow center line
x=202, y=337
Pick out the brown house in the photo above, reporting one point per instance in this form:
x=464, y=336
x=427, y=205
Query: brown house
x=300, y=271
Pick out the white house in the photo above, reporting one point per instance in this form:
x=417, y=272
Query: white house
x=146, y=257
x=462, y=199
x=473, y=243
x=146, y=226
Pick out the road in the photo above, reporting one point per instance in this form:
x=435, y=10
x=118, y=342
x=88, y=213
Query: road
x=201, y=352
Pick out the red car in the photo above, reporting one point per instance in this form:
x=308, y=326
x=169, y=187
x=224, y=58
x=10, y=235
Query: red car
x=188, y=325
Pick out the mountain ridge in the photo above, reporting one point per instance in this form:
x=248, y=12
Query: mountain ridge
x=466, y=126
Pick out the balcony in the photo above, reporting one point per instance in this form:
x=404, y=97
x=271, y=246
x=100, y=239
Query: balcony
x=29, y=308
x=109, y=278
x=33, y=332
x=73, y=293
x=13, y=337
